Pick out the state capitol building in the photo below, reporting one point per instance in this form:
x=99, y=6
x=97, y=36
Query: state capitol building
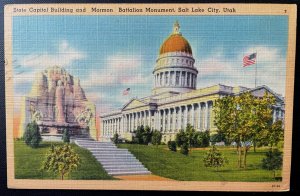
x=175, y=101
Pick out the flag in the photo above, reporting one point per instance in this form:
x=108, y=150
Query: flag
x=126, y=91
x=249, y=60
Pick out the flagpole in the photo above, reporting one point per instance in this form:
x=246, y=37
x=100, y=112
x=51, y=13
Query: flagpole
x=255, y=68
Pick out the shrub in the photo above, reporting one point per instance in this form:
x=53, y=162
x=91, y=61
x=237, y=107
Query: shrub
x=218, y=137
x=184, y=149
x=172, y=146
x=66, y=136
x=272, y=161
x=115, y=138
x=181, y=138
x=61, y=160
x=214, y=158
x=32, y=136
x=156, y=138
x=142, y=135
x=201, y=139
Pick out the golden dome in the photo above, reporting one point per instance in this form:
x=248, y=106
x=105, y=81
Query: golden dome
x=175, y=42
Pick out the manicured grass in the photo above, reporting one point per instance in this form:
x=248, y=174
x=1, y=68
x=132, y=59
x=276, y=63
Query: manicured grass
x=160, y=161
x=28, y=163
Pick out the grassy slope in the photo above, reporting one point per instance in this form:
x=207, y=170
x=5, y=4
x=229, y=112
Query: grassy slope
x=28, y=163
x=162, y=162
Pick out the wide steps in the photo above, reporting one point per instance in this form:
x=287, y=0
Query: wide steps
x=115, y=161
x=129, y=173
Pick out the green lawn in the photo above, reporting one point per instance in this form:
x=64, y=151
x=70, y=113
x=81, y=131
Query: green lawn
x=160, y=161
x=28, y=163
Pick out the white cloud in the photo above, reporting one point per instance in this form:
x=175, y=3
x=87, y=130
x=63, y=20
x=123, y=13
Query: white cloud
x=64, y=57
x=219, y=68
x=120, y=69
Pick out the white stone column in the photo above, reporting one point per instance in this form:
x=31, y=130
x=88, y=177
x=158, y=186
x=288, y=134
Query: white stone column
x=135, y=120
x=185, y=116
x=191, y=75
x=103, y=130
x=174, y=78
x=180, y=78
x=144, y=118
x=149, y=119
x=174, y=120
x=164, y=120
x=131, y=122
x=169, y=120
x=159, y=120
x=274, y=114
x=206, y=116
x=179, y=118
x=192, y=116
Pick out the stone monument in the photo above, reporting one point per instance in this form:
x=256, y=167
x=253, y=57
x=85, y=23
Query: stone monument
x=57, y=102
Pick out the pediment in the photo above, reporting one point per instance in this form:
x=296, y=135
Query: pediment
x=260, y=91
x=134, y=103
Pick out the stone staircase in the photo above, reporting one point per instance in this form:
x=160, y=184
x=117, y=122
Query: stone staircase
x=115, y=161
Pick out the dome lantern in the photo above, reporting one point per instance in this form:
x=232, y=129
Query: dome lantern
x=176, y=28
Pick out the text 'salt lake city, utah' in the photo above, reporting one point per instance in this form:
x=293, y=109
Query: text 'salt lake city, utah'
x=149, y=96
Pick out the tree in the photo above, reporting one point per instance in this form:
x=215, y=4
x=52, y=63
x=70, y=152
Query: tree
x=66, y=136
x=61, y=160
x=156, y=138
x=201, y=139
x=184, y=149
x=218, y=137
x=139, y=133
x=181, y=138
x=32, y=136
x=272, y=135
x=190, y=133
x=115, y=138
x=172, y=146
x=242, y=119
x=147, y=135
x=214, y=158
x=272, y=161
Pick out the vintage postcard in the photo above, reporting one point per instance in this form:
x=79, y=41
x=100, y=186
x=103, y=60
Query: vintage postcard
x=149, y=96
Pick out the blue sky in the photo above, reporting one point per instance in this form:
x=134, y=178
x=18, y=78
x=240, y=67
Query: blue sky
x=112, y=53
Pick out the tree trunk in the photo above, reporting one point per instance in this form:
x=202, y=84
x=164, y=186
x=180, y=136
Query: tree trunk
x=240, y=157
x=245, y=157
x=254, y=145
x=62, y=176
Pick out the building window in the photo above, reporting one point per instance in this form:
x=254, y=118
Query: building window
x=192, y=83
x=166, y=78
x=171, y=78
x=160, y=81
x=177, y=78
x=188, y=79
x=182, y=78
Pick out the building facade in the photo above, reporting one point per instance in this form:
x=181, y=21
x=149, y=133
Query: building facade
x=175, y=100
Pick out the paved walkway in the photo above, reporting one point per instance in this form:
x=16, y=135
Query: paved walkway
x=144, y=178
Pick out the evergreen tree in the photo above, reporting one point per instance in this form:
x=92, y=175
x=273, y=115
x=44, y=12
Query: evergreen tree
x=115, y=138
x=181, y=138
x=272, y=161
x=156, y=138
x=214, y=158
x=184, y=149
x=66, y=136
x=172, y=146
x=32, y=136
